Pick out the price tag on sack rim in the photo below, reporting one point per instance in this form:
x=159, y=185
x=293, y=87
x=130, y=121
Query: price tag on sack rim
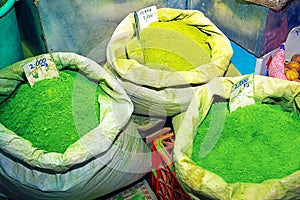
x=40, y=68
x=292, y=44
x=242, y=93
x=146, y=16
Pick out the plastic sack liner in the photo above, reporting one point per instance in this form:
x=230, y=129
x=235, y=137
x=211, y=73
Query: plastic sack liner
x=146, y=86
x=107, y=158
x=197, y=181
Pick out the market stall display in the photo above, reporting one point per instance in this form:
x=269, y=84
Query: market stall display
x=208, y=175
x=166, y=108
x=106, y=154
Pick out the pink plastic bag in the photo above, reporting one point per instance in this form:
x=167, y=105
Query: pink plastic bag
x=276, y=67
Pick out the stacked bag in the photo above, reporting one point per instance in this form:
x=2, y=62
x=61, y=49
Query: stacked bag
x=107, y=158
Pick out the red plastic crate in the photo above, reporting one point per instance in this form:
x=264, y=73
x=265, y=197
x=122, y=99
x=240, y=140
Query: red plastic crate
x=164, y=182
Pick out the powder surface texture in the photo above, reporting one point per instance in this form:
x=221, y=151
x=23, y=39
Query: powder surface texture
x=171, y=46
x=257, y=142
x=54, y=113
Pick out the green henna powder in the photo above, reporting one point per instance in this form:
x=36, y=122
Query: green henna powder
x=171, y=46
x=257, y=143
x=54, y=113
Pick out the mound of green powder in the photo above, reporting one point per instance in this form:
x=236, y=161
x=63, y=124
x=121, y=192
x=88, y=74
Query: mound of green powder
x=170, y=46
x=54, y=113
x=258, y=142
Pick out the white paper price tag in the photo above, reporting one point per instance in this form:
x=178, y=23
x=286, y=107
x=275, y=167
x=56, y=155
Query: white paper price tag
x=242, y=93
x=40, y=68
x=147, y=16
